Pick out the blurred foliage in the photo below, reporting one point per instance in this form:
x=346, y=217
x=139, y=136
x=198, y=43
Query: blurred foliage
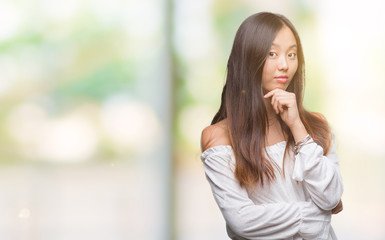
x=59, y=66
x=86, y=59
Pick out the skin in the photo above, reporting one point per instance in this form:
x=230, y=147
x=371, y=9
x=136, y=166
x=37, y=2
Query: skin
x=281, y=61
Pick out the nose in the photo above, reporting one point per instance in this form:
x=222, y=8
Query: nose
x=282, y=64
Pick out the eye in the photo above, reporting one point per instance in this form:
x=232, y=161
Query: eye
x=292, y=55
x=272, y=54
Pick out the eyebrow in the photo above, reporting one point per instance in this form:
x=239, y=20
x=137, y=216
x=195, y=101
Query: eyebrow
x=291, y=46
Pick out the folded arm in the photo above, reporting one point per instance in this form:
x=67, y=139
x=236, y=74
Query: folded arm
x=320, y=174
x=264, y=221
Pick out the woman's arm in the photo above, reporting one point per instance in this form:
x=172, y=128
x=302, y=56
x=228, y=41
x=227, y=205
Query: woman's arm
x=266, y=221
x=320, y=174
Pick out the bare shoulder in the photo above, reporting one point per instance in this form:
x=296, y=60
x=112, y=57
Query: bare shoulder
x=215, y=135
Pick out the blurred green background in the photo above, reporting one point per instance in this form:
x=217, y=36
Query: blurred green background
x=102, y=104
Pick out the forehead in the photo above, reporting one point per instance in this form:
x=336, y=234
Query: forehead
x=284, y=38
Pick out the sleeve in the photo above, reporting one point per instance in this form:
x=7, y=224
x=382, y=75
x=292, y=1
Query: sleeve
x=266, y=221
x=320, y=174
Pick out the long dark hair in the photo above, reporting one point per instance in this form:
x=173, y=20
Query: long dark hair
x=243, y=105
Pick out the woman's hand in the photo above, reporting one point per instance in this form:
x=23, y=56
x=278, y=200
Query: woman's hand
x=338, y=208
x=285, y=104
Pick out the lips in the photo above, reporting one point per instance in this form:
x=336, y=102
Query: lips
x=281, y=79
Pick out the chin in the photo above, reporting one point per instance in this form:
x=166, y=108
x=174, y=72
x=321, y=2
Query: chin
x=282, y=87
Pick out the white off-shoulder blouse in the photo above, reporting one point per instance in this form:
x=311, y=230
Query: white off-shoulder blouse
x=295, y=206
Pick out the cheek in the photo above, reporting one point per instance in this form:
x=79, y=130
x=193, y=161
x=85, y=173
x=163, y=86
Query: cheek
x=294, y=68
x=266, y=75
x=268, y=69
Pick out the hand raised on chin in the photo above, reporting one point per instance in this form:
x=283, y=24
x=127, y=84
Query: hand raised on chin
x=285, y=104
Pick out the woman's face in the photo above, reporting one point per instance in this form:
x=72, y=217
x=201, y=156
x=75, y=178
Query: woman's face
x=281, y=62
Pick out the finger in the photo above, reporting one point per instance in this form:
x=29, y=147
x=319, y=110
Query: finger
x=335, y=210
x=285, y=101
x=272, y=92
x=277, y=104
x=282, y=107
x=277, y=95
x=342, y=207
x=281, y=100
x=273, y=102
x=274, y=105
x=269, y=94
x=338, y=208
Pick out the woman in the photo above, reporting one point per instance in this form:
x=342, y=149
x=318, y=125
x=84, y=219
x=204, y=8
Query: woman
x=271, y=164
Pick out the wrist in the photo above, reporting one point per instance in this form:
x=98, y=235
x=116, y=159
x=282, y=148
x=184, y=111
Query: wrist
x=298, y=130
